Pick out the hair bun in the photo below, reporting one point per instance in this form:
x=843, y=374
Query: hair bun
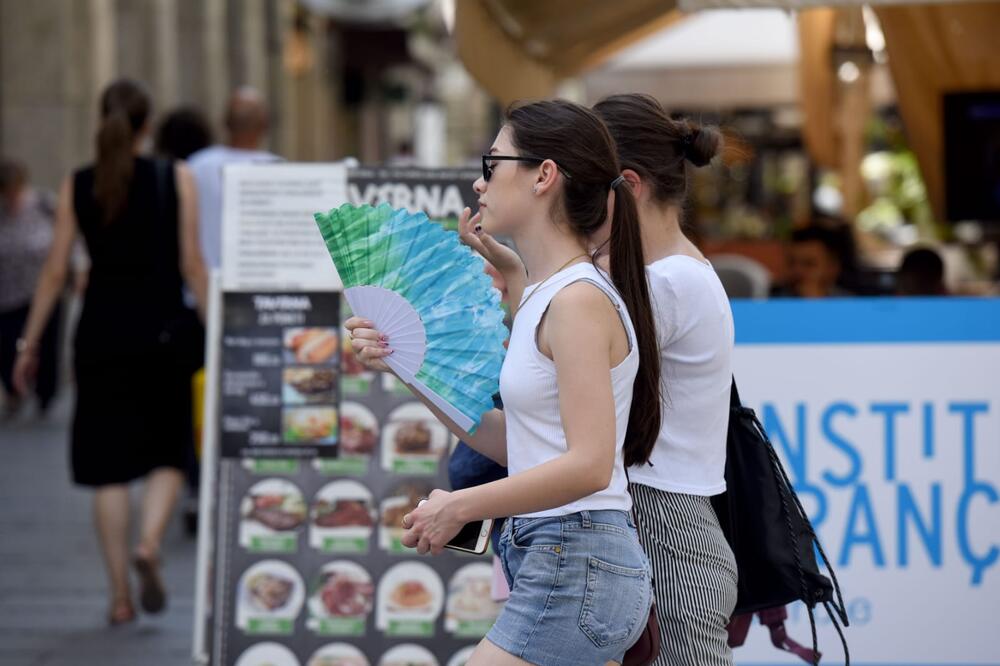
x=701, y=144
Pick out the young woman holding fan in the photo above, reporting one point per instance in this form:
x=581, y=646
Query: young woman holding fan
x=580, y=386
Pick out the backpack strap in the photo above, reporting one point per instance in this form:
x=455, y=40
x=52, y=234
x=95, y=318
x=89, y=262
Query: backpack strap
x=774, y=620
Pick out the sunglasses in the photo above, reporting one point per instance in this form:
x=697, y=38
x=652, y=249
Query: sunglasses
x=489, y=168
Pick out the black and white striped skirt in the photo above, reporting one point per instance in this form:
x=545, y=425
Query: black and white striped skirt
x=694, y=575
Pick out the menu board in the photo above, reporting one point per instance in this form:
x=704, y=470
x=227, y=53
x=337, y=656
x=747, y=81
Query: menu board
x=280, y=375
x=315, y=572
x=319, y=460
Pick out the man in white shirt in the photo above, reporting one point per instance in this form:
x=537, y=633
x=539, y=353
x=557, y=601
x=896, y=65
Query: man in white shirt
x=246, y=126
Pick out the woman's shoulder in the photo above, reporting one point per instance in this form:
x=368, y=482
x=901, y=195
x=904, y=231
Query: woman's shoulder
x=683, y=275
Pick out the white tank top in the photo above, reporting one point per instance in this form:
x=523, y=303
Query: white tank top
x=530, y=393
x=694, y=324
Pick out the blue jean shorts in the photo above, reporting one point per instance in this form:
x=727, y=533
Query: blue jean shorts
x=579, y=588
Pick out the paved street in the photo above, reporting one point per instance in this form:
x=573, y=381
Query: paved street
x=52, y=585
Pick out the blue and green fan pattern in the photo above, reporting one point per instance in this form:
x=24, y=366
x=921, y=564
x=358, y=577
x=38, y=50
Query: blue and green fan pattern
x=460, y=326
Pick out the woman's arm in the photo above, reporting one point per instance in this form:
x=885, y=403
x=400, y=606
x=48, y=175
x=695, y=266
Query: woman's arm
x=579, y=329
x=371, y=348
x=192, y=265
x=50, y=285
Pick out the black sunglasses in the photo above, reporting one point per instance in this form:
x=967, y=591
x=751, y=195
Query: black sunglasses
x=488, y=168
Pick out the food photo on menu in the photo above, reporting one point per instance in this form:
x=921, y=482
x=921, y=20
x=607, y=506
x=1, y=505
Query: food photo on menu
x=342, y=518
x=358, y=430
x=269, y=597
x=342, y=597
x=400, y=500
x=311, y=346
x=338, y=654
x=307, y=386
x=471, y=610
x=408, y=654
x=409, y=600
x=271, y=512
x=267, y=654
x=413, y=440
x=310, y=425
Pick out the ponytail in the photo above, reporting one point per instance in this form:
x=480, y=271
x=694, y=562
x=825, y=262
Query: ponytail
x=577, y=140
x=124, y=108
x=113, y=171
x=628, y=272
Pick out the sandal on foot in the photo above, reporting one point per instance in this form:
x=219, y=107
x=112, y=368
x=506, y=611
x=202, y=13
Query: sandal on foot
x=152, y=596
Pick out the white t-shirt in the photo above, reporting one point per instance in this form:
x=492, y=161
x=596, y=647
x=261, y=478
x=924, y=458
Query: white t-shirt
x=530, y=394
x=206, y=167
x=695, y=329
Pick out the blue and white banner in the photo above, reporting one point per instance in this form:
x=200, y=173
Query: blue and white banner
x=886, y=413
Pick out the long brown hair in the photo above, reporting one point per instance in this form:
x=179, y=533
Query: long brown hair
x=575, y=139
x=125, y=107
x=655, y=146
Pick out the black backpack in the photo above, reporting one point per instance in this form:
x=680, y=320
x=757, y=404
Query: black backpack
x=769, y=531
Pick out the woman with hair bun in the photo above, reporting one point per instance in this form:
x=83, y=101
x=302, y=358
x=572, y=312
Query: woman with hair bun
x=136, y=342
x=694, y=570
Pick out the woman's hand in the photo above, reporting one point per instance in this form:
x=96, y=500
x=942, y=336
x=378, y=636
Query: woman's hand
x=432, y=524
x=504, y=259
x=25, y=369
x=370, y=346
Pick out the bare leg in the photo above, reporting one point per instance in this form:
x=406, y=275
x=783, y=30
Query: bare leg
x=488, y=654
x=111, y=516
x=162, y=489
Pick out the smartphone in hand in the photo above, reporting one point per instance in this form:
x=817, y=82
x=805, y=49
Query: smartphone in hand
x=473, y=538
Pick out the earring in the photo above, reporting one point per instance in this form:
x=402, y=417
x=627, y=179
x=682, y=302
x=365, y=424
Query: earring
x=534, y=190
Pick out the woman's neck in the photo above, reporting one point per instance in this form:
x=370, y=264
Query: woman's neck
x=662, y=235
x=544, y=252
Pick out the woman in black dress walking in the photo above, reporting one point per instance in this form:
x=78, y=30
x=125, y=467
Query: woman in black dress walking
x=136, y=345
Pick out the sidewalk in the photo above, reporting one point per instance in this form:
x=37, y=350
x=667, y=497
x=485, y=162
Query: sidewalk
x=53, y=598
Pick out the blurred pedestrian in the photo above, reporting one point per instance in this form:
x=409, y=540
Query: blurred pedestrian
x=814, y=264
x=921, y=273
x=181, y=133
x=26, y=217
x=246, y=126
x=133, y=358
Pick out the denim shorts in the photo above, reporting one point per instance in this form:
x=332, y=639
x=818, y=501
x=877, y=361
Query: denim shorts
x=579, y=588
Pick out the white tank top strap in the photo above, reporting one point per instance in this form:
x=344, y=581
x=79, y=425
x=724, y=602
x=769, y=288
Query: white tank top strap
x=616, y=300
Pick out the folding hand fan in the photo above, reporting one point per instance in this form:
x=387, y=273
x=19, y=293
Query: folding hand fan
x=428, y=293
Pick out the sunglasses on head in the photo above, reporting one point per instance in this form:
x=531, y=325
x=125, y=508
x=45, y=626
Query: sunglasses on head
x=489, y=168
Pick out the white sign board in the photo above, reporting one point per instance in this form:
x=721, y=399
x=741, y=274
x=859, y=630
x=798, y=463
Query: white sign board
x=886, y=414
x=270, y=241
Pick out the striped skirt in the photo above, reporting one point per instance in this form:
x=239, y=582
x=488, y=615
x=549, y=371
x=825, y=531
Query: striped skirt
x=694, y=575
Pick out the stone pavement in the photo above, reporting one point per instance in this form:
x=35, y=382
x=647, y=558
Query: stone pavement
x=53, y=595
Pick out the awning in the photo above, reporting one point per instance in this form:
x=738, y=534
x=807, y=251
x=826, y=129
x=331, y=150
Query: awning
x=713, y=59
x=520, y=49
